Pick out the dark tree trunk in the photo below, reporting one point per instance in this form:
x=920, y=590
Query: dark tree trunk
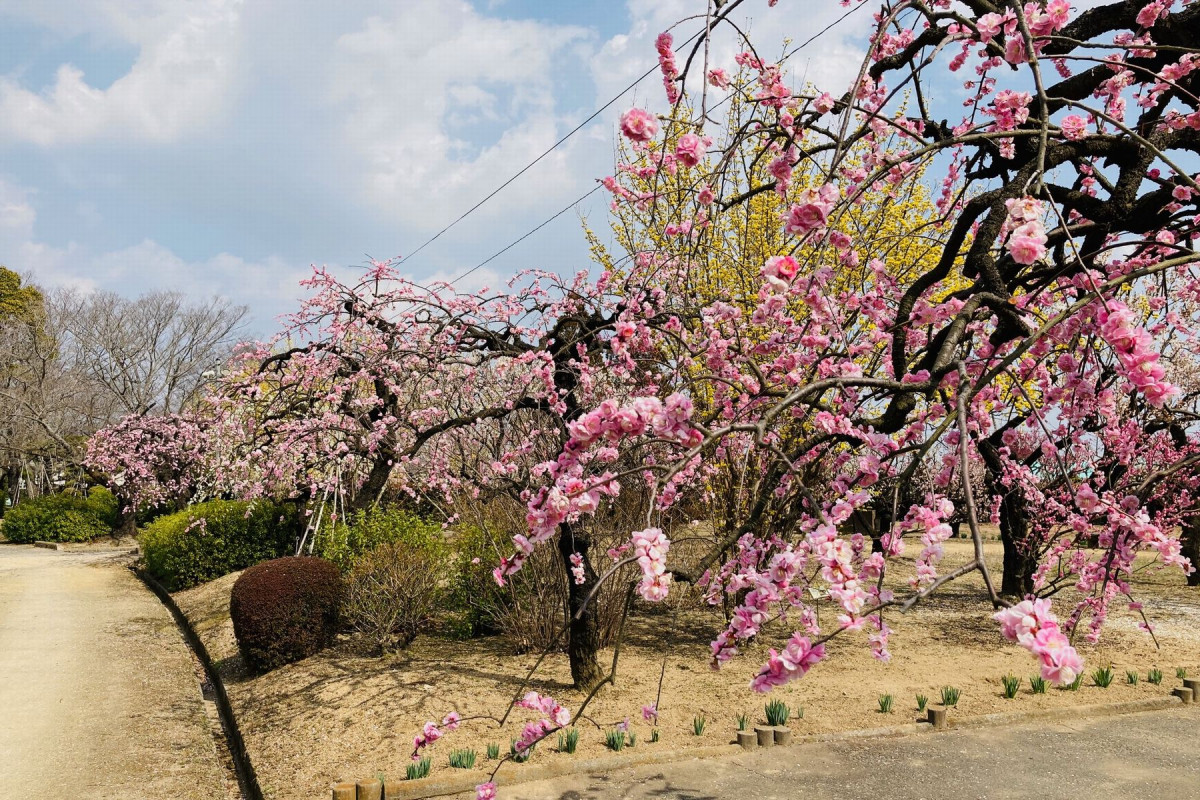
x=583, y=642
x=126, y=520
x=1017, y=576
x=1019, y=564
x=1190, y=540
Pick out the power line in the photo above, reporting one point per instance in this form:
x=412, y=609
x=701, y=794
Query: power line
x=513, y=244
x=547, y=152
x=575, y=130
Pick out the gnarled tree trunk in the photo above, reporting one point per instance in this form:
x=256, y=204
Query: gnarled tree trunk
x=583, y=643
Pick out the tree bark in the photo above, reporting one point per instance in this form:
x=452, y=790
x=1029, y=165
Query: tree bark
x=1189, y=538
x=1017, y=575
x=583, y=643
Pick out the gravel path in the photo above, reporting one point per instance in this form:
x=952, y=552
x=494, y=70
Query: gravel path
x=98, y=694
x=1138, y=756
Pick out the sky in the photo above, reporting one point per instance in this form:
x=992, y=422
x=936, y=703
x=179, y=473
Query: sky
x=221, y=147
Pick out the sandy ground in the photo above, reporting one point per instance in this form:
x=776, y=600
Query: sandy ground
x=98, y=694
x=1133, y=757
x=341, y=715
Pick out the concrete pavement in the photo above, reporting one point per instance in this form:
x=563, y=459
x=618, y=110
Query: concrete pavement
x=1147, y=756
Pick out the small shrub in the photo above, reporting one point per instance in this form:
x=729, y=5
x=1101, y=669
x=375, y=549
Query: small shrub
x=102, y=503
x=950, y=696
x=418, y=769
x=493, y=751
x=1011, y=684
x=743, y=721
x=777, y=712
x=1038, y=684
x=614, y=739
x=530, y=609
x=885, y=703
x=568, y=740
x=1181, y=673
x=463, y=759
x=922, y=701
x=1154, y=676
x=64, y=517
x=1131, y=677
x=698, y=724
x=215, y=538
x=285, y=610
x=1103, y=677
x=364, y=531
x=392, y=592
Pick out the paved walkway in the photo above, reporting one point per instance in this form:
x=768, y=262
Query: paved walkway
x=98, y=696
x=1149, y=756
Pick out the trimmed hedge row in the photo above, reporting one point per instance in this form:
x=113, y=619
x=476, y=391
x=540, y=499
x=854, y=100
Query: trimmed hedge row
x=66, y=517
x=215, y=538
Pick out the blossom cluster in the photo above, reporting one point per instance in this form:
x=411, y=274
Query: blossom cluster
x=1136, y=353
x=650, y=547
x=1033, y=625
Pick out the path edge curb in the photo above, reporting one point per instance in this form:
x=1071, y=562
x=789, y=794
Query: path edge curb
x=243, y=766
x=514, y=774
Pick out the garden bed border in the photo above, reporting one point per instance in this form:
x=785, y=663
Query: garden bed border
x=513, y=774
x=246, y=775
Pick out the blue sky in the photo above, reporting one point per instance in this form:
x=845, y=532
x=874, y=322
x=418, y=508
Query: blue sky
x=223, y=146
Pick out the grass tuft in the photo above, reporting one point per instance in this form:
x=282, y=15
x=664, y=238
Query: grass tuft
x=418, y=769
x=777, y=712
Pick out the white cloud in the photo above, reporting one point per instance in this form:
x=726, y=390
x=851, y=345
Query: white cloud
x=270, y=285
x=180, y=80
x=415, y=86
x=831, y=61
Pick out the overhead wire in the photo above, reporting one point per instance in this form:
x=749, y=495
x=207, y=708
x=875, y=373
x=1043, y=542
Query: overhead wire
x=572, y=132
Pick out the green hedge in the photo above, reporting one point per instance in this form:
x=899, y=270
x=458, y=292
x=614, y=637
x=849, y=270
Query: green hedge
x=215, y=538
x=66, y=517
x=366, y=530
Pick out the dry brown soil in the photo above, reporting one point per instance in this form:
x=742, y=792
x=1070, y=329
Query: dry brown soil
x=343, y=715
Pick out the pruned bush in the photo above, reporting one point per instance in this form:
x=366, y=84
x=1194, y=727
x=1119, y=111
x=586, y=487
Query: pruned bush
x=65, y=517
x=285, y=610
x=365, y=530
x=215, y=538
x=393, y=590
x=103, y=504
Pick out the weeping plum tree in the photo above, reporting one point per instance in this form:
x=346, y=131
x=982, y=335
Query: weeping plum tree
x=1063, y=201
x=441, y=395
x=1064, y=210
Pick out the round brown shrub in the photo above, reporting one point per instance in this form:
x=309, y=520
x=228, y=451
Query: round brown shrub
x=285, y=610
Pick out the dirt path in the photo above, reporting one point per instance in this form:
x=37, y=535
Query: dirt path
x=98, y=696
x=1150, y=755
